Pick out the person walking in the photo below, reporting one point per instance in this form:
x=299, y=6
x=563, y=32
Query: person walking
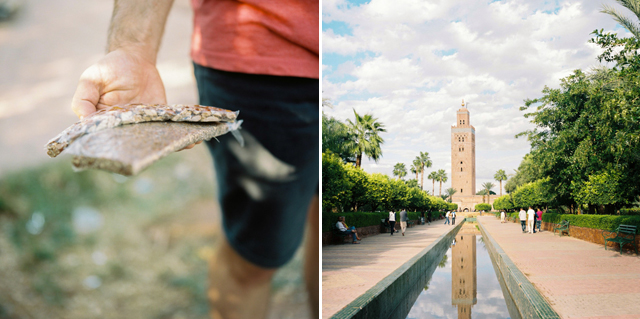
x=502, y=216
x=523, y=219
x=446, y=218
x=539, y=219
x=403, y=221
x=392, y=222
x=453, y=218
x=530, y=219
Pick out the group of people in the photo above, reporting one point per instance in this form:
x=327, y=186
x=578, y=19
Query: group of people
x=346, y=230
x=452, y=215
x=529, y=220
x=403, y=221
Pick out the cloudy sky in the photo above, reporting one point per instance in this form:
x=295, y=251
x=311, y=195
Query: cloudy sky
x=411, y=62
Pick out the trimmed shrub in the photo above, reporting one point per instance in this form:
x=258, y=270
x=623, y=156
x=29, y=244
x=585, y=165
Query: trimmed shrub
x=604, y=222
x=630, y=211
x=483, y=206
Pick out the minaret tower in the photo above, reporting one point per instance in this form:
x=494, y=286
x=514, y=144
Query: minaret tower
x=463, y=154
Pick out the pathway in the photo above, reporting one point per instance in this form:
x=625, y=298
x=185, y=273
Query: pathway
x=579, y=279
x=350, y=270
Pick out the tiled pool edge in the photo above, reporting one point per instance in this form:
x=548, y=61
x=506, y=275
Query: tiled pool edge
x=382, y=299
x=530, y=303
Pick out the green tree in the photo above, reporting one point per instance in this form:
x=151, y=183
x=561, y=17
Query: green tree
x=424, y=161
x=433, y=176
x=600, y=189
x=500, y=176
x=413, y=183
x=365, y=137
x=335, y=138
x=399, y=170
x=336, y=187
x=450, y=191
x=584, y=127
x=442, y=178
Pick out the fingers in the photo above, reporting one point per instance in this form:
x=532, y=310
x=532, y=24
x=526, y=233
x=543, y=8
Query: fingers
x=86, y=97
x=191, y=146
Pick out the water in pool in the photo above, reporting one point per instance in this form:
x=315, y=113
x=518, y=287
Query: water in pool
x=464, y=285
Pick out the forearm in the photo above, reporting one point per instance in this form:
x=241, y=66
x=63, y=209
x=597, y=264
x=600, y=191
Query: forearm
x=138, y=25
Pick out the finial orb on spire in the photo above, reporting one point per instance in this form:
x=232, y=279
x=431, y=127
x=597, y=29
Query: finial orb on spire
x=462, y=102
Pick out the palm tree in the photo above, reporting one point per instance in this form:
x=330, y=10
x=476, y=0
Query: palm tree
x=450, y=191
x=415, y=168
x=442, y=178
x=399, y=170
x=364, y=137
x=487, y=189
x=424, y=161
x=627, y=23
x=500, y=176
x=433, y=176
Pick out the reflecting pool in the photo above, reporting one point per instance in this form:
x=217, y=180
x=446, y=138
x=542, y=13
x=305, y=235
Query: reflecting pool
x=464, y=285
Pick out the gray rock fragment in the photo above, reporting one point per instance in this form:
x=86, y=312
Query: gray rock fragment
x=129, y=149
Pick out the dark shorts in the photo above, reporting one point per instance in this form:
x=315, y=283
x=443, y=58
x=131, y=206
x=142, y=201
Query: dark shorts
x=265, y=187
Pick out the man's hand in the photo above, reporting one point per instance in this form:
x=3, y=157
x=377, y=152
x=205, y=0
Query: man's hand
x=120, y=77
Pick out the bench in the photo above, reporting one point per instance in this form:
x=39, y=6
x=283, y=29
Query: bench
x=625, y=234
x=562, y=227
x=386, y=225
x=336, y=231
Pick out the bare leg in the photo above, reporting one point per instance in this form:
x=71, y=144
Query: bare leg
x=237, y=288
x=311, y=271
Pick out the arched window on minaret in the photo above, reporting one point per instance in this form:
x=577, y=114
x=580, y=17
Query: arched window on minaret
x=463, y=139
x=461, y=169
x=461, y=191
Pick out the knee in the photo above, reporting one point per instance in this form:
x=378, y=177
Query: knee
x=241, y=271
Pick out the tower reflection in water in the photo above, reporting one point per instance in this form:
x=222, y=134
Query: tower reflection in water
x=464, y=284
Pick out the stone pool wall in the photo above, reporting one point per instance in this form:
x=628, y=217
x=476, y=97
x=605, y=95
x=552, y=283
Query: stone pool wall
x=392, y=294
x=528, y=301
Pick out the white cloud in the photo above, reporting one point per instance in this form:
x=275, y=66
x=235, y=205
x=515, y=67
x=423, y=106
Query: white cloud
x=427, y=55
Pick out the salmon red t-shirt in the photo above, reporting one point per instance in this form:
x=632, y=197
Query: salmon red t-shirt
x=257, y=37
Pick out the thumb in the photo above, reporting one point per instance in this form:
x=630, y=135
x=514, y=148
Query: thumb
x=86, y=98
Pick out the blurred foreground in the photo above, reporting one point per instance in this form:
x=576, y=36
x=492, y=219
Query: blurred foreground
x=99, y=245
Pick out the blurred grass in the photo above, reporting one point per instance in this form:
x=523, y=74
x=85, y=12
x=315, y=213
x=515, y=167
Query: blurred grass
x=150, y=270
x=148, y=258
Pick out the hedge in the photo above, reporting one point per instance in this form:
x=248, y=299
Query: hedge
x=630, y=211
x=604, y=222
x=364, y=219
x=483, y=206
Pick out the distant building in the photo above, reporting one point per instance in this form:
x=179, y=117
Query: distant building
x=463, y=162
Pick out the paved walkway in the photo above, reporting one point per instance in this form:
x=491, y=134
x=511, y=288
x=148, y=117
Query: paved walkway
x=350, y=270
x=580, y=279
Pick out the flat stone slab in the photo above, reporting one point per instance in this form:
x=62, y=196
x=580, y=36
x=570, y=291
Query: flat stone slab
x=349, y=270
x=129, y=149
x=579, y=279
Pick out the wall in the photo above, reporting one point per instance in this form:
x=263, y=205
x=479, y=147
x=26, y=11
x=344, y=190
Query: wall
x=528, y=302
